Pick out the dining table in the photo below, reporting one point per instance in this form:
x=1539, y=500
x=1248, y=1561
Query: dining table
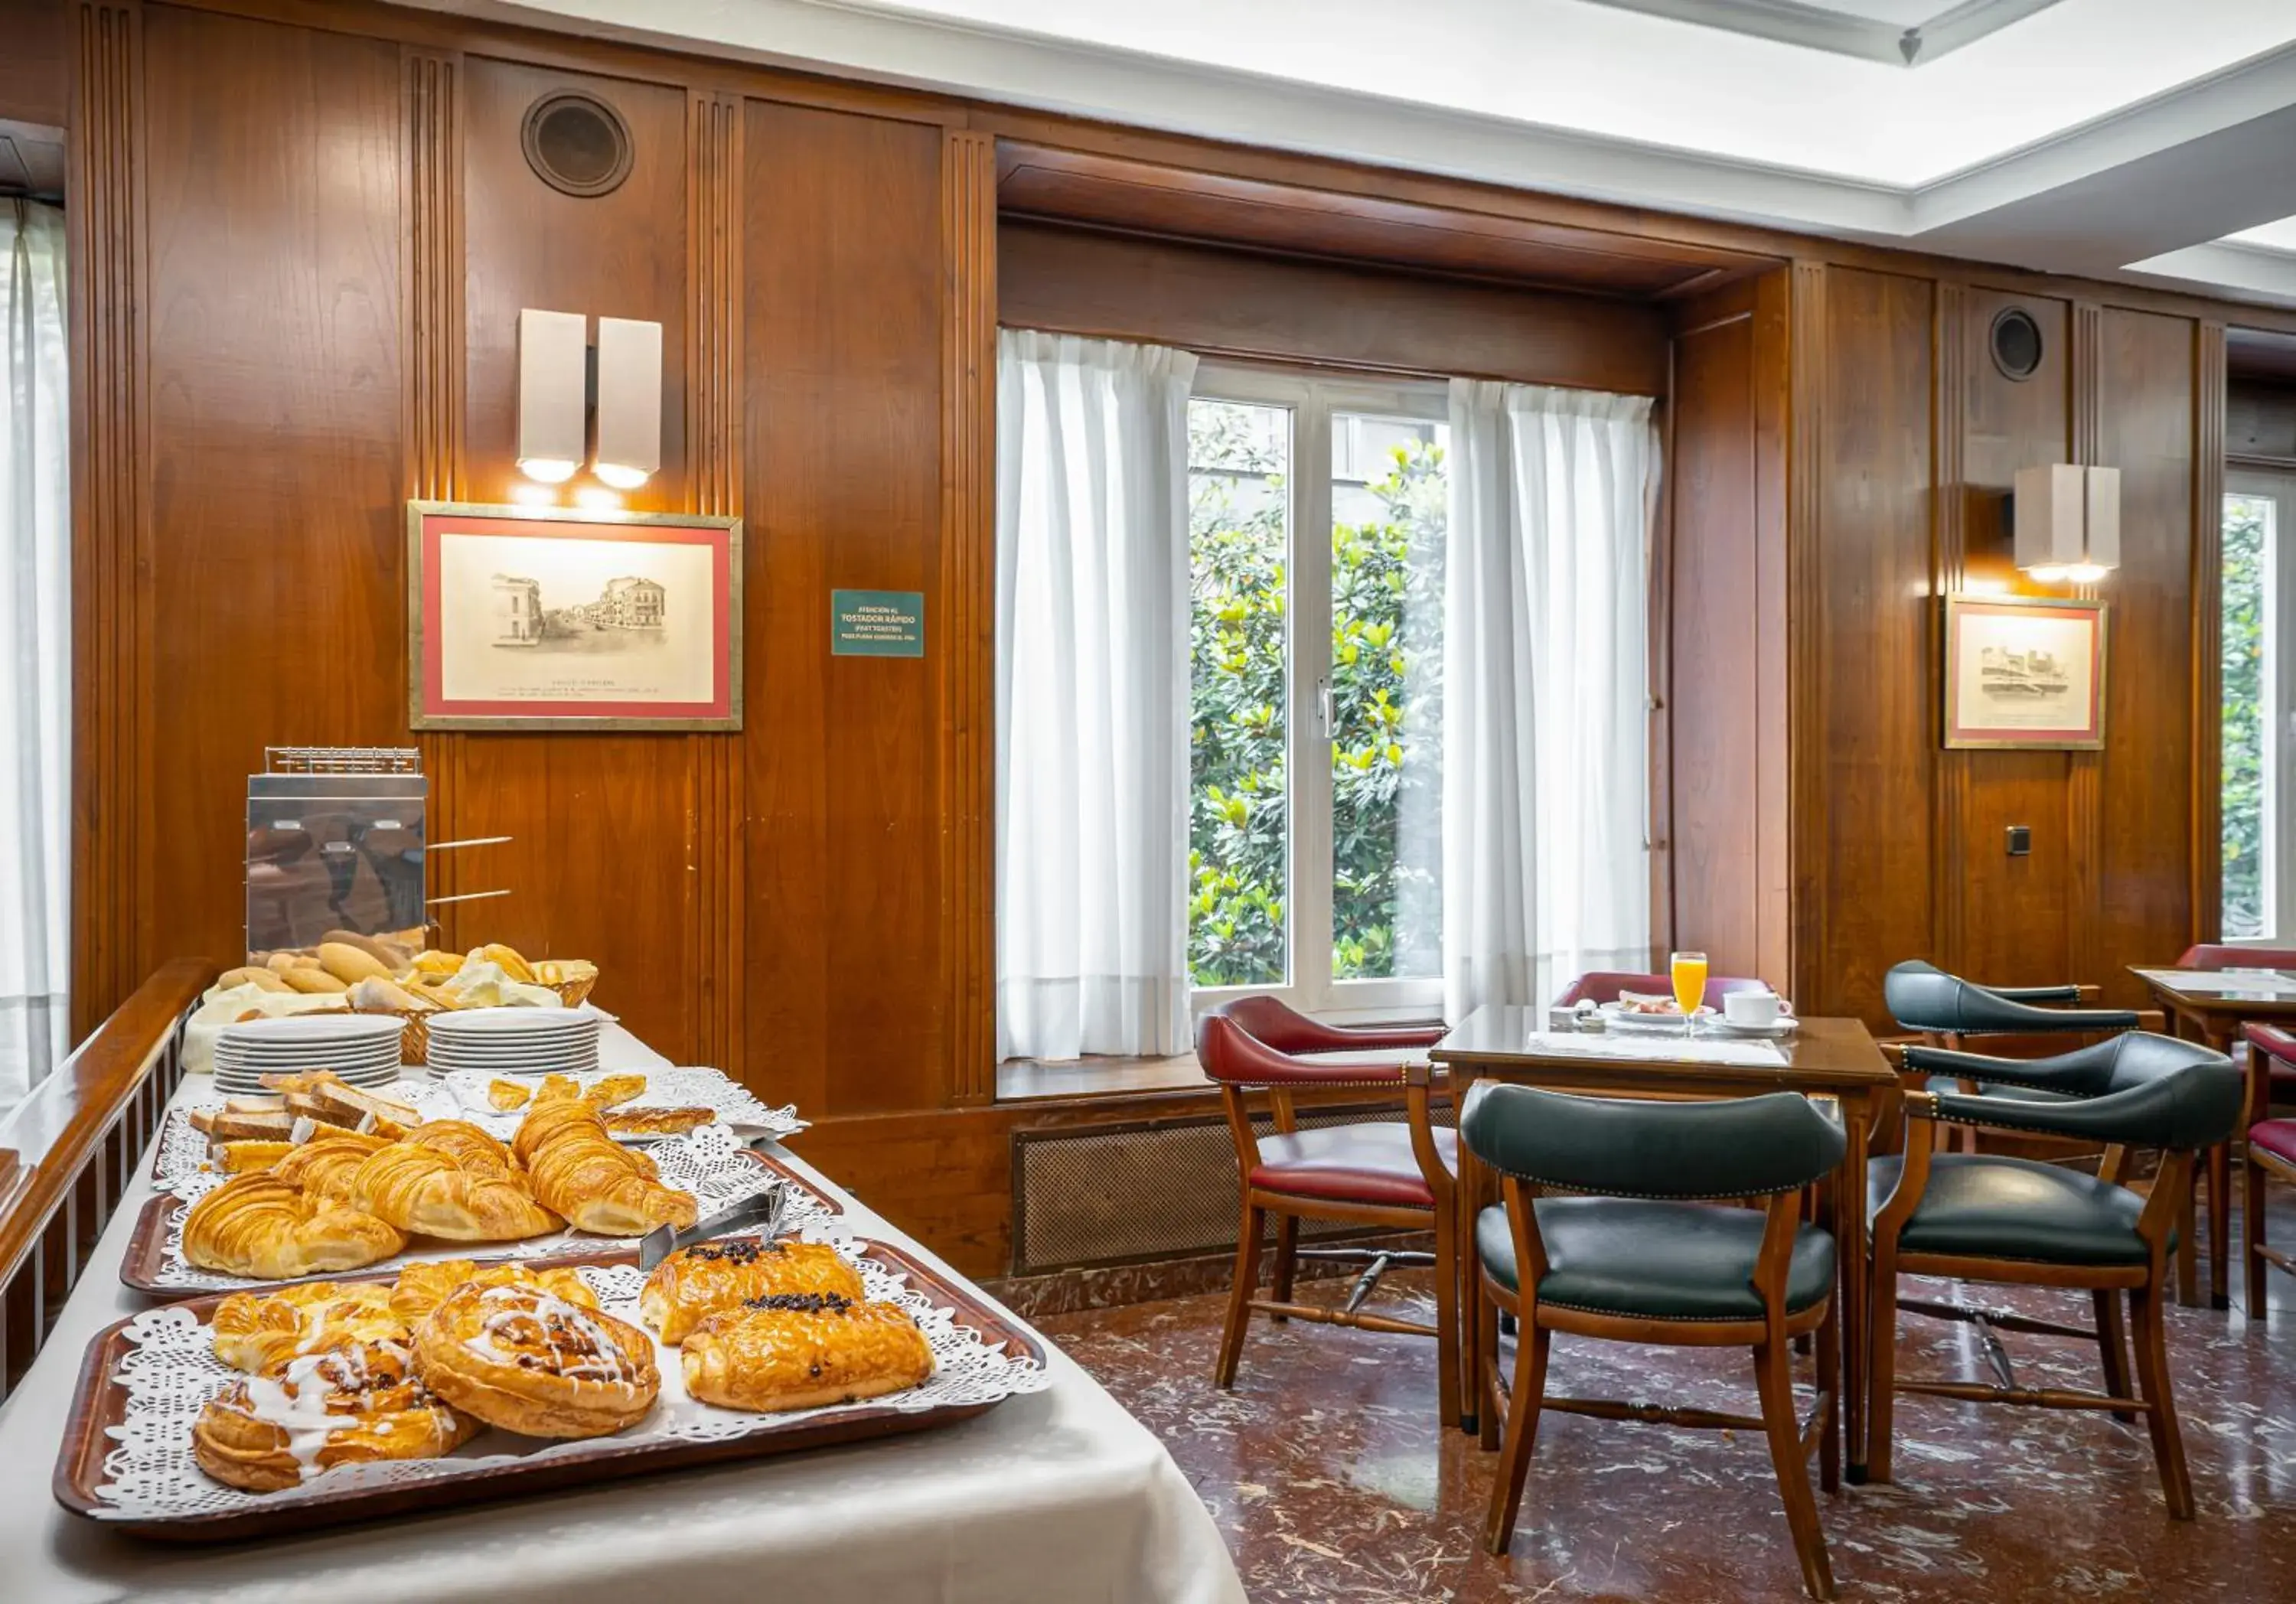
x=1834, y=1062
x=1059, y=1493
x=2209, y=1006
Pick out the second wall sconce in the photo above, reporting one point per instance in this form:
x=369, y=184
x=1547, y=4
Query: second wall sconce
x=563, y=385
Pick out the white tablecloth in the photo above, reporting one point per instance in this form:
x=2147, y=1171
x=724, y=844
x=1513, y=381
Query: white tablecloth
x=1057, y=1496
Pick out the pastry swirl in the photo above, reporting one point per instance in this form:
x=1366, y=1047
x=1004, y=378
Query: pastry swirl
x=347, y=1405
x=422, y=1288
x=258, y=1332
x=269, y=1229
x=691, y=1285
x=803, y=1350
x=518, y=1358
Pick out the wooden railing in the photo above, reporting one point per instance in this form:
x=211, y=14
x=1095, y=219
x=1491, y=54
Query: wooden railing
x=69, y=1149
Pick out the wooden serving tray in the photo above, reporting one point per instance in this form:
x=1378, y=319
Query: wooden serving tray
x=99, y=1404
x=146, y=1257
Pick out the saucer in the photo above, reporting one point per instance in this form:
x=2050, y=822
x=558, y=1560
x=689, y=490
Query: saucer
x=1783, y=1026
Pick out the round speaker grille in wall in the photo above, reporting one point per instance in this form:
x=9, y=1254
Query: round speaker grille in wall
x=2016, y=341
x=576, y=142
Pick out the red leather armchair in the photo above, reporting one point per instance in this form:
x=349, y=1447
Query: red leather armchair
x=1374, y=1174
x=2270, y=1154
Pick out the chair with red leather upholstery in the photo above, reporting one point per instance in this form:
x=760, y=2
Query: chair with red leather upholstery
x=2271, y=1155
x=1603, y=985
x=1379, y=1174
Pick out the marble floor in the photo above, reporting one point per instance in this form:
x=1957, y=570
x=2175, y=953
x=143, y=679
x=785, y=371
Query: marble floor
x=1327, y=1474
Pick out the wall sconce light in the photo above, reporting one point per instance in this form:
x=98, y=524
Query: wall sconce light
x=629, y=401
x=2068, y=523
x=553, y=386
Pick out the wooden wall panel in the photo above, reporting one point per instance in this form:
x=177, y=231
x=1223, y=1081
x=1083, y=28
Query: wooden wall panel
x=2260, y=421
x=275, y=448
x=36, y=61
x=1235, y=304
x=1866, y=809
x=1714, y=607
x=844, y=952
x=2144, y=386
x=602, y=864
x=2015, y=925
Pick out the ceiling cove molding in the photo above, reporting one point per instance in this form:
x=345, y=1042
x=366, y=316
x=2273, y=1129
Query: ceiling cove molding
x=1093, y=81
x=1840, y=33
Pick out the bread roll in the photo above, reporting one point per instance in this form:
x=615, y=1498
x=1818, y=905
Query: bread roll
x=312, y=980
x=348, y=963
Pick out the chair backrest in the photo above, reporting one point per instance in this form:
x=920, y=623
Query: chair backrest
x=1732, y=1148
x=1276, y=1024
x=1603, y=985
x=2213, y=955
x=1921, y=996
x=1234, y=1056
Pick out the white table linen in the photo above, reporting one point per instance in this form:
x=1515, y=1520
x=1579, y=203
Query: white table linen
x=1057, y=1495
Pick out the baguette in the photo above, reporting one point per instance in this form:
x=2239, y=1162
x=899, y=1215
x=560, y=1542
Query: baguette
x=348, y=963
x=376, y=995
x=314, y=979
x=252, y=975
x=382, y=949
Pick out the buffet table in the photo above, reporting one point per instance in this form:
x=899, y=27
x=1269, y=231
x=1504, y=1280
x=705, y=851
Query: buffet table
x=1058, y=1494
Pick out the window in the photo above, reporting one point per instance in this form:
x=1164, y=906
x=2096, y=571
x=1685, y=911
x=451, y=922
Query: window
x=2260, y=703
x=1316, y=524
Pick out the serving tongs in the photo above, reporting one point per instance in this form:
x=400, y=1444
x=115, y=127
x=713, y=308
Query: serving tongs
x=764, y=1208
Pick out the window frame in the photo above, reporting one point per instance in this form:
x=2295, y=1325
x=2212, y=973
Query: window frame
x=2280, y=720
x=1312, y=399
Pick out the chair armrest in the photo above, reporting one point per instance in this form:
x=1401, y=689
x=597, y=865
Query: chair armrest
x=2084, y=1072
x=2155, y=1115
x=1417, y=1078
x=2045, y=994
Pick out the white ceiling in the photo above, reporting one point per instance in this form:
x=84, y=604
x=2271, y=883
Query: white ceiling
x=2099, y=136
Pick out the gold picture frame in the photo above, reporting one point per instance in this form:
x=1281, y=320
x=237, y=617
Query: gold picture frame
x=2024, y=673
x=547, y=646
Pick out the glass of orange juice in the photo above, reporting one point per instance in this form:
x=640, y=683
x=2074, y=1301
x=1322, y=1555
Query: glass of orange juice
x=1689, y=974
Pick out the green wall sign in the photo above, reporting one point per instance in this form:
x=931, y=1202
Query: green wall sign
x=870, y=623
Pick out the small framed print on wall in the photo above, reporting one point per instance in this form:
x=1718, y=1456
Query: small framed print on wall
x=564, y=618
x=2024, y=671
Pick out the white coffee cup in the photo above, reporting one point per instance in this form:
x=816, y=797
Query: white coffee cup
x=1752, y=1008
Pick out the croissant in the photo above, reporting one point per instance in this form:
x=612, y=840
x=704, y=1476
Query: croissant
x=325, y=1165
x=259, y=1332
x=689, y=1285
x=478, y=1152
x=269, y=1229
x=803, y=1350
x=521, y=1359
x=349, y=1405
x=422, y=1288
x=423, y=1191
x=598, y=1184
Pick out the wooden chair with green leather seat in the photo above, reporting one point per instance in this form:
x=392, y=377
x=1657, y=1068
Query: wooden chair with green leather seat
x=1655, y=1256
x=2018, y=1222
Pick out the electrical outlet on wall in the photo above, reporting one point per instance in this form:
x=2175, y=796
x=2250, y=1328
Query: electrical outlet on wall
x=2020, y=840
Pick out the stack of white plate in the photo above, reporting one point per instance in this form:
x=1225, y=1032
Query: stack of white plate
x=515, y=1041
x=361, y=1048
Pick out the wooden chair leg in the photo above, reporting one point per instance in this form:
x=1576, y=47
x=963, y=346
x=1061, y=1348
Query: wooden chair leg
x=1446, y=1321
x=2220, y=1225
x=2188, y=1243
x=1287, y=1259
x=2252, y=1232
x=2112, y=1345
x=1491, y=1398
x=1521, y=1435
x=1239, y=1296
x=1882, y=1367
x=1774, y=1378
x=1829, y=1382
x=2150, y=1319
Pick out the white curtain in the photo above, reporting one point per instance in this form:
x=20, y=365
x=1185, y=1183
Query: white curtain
x=1545, y=722
x=1091, y=696
x=35, y=648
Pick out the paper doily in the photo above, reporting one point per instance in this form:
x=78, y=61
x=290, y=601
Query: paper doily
x=711, y=1163
x=171, y=1370
x=679, y=1087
